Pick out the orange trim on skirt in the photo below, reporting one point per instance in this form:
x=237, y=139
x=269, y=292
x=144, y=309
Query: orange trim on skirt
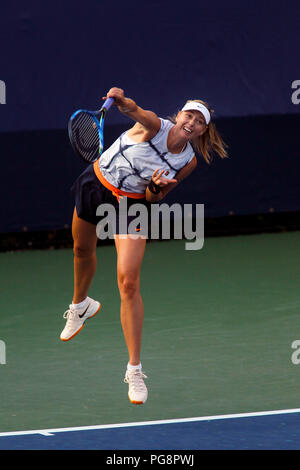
x=116, y=191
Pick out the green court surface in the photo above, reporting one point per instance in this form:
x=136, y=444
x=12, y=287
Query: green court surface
x=218, y=329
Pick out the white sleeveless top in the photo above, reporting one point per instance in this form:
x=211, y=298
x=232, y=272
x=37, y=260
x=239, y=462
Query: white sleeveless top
x=129, y=165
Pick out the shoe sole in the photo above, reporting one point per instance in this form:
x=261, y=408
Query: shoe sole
x=134, y=402
x=76, y=332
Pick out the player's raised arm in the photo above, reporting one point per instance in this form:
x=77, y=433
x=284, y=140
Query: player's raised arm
x=127, y=106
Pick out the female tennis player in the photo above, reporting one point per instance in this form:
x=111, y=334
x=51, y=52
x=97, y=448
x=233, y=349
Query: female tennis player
x=143, y=164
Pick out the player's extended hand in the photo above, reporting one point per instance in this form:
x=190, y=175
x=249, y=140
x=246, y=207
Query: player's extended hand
x=125, y=105
x=117, y=94
x=158, y=179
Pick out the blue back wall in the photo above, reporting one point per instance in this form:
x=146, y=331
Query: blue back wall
x=59, y=56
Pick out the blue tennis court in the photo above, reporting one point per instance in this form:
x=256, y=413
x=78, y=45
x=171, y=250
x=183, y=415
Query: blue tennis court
x=275, y=430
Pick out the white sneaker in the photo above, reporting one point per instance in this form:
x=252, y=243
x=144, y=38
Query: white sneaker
x=137, y=392
x=77, y=317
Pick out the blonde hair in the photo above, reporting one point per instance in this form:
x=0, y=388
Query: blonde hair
x=211, y=141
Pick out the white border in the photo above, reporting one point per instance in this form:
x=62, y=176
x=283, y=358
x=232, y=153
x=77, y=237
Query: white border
x=50, y=432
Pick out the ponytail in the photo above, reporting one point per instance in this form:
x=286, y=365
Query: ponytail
x=210, y=142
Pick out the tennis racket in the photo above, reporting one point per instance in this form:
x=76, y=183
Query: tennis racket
x=86, y=131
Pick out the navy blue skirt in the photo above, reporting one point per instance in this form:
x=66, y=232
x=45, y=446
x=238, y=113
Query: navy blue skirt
x=89, y=193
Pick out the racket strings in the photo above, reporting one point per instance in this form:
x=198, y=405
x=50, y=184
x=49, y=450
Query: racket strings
x=86, y=136
x=86, y=132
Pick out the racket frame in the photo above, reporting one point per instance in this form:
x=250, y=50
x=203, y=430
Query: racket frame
x=98, y=118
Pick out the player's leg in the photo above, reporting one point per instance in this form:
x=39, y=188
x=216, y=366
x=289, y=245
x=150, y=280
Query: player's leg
x=85, y=261
x=130, y=256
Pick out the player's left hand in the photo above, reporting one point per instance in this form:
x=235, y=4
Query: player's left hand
x=160, y=180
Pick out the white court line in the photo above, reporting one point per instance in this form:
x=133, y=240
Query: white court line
x=50, y=432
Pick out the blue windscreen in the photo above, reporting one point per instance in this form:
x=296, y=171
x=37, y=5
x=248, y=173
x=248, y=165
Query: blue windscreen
x=241, y=57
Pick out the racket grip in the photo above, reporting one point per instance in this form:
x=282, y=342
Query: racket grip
x=107, y=104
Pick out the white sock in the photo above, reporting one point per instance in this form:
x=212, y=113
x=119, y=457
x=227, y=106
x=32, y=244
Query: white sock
x=131, y=367
x=80, y=305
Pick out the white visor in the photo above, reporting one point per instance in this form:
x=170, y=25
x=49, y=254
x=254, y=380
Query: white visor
x=195, y=106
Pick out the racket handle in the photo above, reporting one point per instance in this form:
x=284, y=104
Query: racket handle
x=107, y=104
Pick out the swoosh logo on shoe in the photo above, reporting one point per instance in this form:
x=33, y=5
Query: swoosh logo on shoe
x=82, y=315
